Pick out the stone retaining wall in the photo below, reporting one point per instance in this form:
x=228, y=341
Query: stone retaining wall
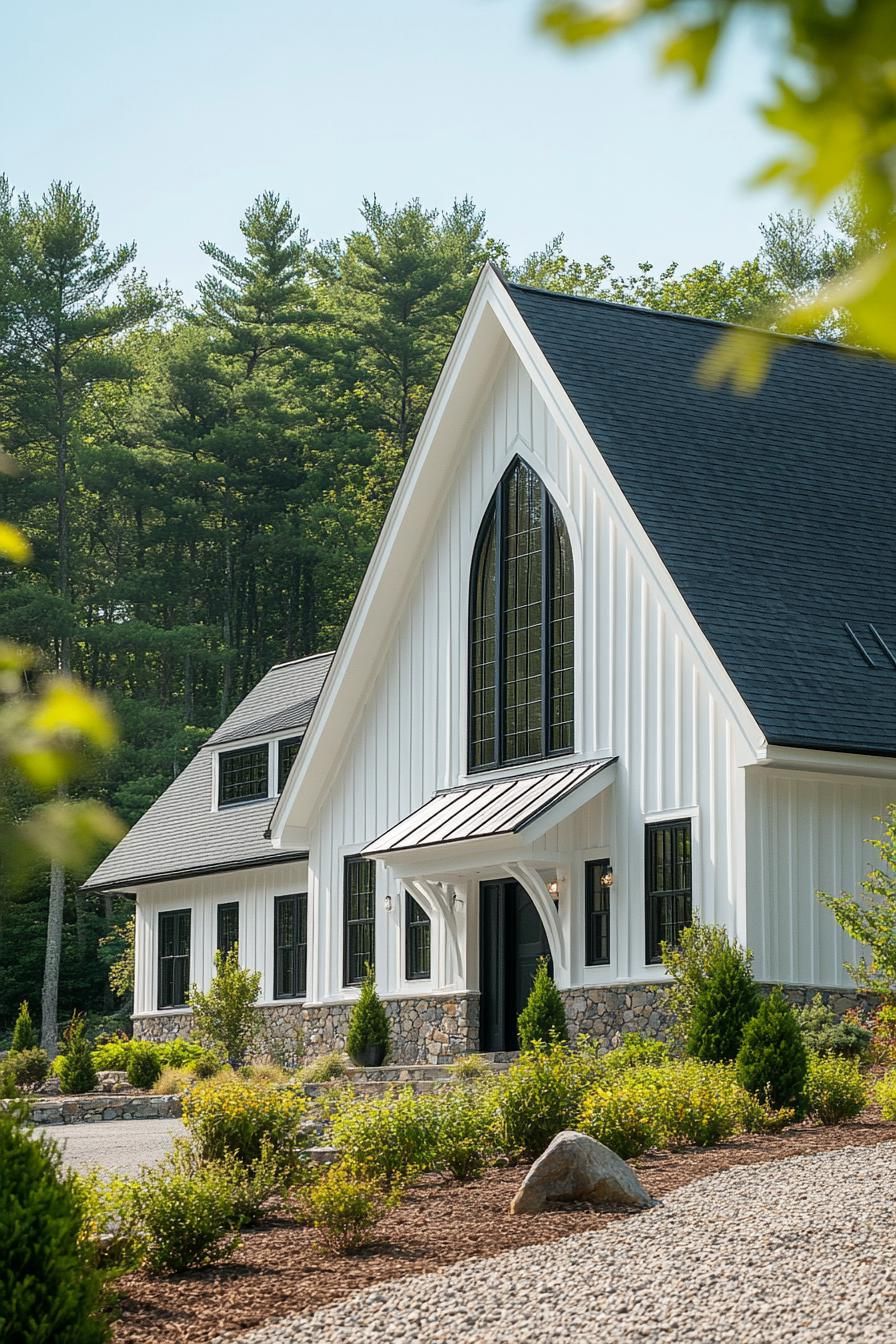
x=436, y=1030
x=93, y=1107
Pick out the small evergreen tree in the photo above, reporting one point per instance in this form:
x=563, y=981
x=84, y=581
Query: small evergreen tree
x=225, y=1018
x=77, y=1072
x=699, y=949
x=369, y=1023
x=772, y=1061
x=24, y=1037
x=544, y=1017
x=50, y=1287
x=725, y=1003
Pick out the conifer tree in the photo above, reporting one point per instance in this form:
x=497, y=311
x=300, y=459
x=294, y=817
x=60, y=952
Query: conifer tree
x=725, y=1003
x=543, y=1019
x=24, y=1036
x=772, y=1061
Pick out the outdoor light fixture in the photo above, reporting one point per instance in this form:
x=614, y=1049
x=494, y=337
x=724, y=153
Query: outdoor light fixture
x=554, y=889
x=455, y=899
x=388, y=900
x=607, y=878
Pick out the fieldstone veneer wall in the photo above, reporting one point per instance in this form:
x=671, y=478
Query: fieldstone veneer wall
x=438, y=1029
x=424, y=1030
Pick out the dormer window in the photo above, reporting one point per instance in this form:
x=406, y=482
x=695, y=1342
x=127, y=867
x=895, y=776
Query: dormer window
x=242, y=775
x=287, y=751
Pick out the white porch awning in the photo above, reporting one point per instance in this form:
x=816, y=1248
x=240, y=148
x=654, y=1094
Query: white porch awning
x=487, y=811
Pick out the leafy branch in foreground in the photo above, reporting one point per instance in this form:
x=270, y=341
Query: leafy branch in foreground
x=832, y=68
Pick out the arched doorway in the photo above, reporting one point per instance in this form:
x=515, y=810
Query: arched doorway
x=511, y=940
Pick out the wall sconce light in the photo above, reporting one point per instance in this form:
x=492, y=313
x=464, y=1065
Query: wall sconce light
x=388, y=901
x=455, y=899
x=554, y=889
x=607, y=878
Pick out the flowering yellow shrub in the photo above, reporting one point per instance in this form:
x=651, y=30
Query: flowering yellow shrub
x=229, y=1114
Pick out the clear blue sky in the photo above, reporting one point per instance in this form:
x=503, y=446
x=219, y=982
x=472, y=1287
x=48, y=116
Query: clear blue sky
x=173, y=114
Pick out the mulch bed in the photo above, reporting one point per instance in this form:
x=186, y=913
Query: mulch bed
x=277, y=1271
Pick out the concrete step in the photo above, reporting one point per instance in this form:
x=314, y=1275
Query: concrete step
x=375, y=1082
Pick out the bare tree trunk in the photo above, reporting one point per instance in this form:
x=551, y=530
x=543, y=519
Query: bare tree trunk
x=49, y=1009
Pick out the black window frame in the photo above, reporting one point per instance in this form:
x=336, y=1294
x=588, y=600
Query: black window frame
x=283, y=775
x=177, y=961
x=597, y=913
x=262, y=751
x=488, y=680
x=359, y=931
x=677, y=895
x=417, y=940
x=227, y=910
x=297, y=988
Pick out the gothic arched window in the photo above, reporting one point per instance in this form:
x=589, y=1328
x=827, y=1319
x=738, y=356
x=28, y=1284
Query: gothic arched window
x=521, y=627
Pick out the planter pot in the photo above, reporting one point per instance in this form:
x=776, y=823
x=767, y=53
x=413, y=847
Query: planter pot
x=370, y=1057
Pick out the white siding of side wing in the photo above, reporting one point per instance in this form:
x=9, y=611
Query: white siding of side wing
x=254, y=888
x=806, y=833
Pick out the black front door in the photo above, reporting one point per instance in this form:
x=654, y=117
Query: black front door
x=511, y=940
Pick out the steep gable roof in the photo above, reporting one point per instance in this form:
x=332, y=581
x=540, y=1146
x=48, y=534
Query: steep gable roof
x=180, y=834
x=773, y=513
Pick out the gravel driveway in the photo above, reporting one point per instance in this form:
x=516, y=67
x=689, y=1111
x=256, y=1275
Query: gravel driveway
x=120, y=1146
x=800, y=1251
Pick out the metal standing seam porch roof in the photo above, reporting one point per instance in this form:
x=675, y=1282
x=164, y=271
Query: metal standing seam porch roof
x=484, y=811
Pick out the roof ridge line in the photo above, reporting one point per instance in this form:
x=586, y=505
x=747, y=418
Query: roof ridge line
x=695, y=317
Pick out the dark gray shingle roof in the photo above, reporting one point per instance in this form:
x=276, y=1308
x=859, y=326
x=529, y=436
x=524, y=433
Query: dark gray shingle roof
x=773, y=513
x=180, y=834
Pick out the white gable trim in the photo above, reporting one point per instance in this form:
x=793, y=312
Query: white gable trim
x=490, y=323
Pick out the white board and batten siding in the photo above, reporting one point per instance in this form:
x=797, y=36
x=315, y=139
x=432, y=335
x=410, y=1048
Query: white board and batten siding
x=646, y=691
x=807, y=832
x=255, y=889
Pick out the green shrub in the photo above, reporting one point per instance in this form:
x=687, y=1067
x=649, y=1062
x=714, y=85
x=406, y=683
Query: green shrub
x=24, y=1037
x=634, y=1050
x=323, y=1069
x=369, y=1023
x=725, y=1003
x=823, y=1034
x=228, y=1115
x=772, y=1059
x=543, y=1020
x=51, y=1288
x=885, y=1095
x=465, y=1141
x=701, y=1103
x=76, y=1072
x=186, y=1214
x=205, y=1065
x=144, y=1066
x=622, y=1116
x=835, y=1089
x=344, y=1207
x=109, y=1221
x=28, y=1068
x=540, y=1095
x=225, y=1018
x=390, y=1138
x=111, y=1055
x=699, y=950
x=180, y=1053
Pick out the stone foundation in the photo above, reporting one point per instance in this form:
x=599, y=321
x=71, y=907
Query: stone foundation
x=423, y=1030
x=92, y=1108
x=436, y=1030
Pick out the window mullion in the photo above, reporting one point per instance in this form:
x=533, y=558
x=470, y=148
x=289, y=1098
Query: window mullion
x=500, y=619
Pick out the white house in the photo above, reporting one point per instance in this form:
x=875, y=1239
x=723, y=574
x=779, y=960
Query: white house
x=626, y=649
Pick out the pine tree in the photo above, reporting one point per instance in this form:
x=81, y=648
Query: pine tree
x=24, y=1036
x=368, y=1027
x=725, y=1003
x=76, y=1072
x=544, y=1018
x=772, y=1061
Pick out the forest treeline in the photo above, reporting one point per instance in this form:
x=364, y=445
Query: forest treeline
x=203, y=481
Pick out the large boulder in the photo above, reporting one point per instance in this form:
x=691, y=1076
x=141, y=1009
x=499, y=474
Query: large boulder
x=576, y=1167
